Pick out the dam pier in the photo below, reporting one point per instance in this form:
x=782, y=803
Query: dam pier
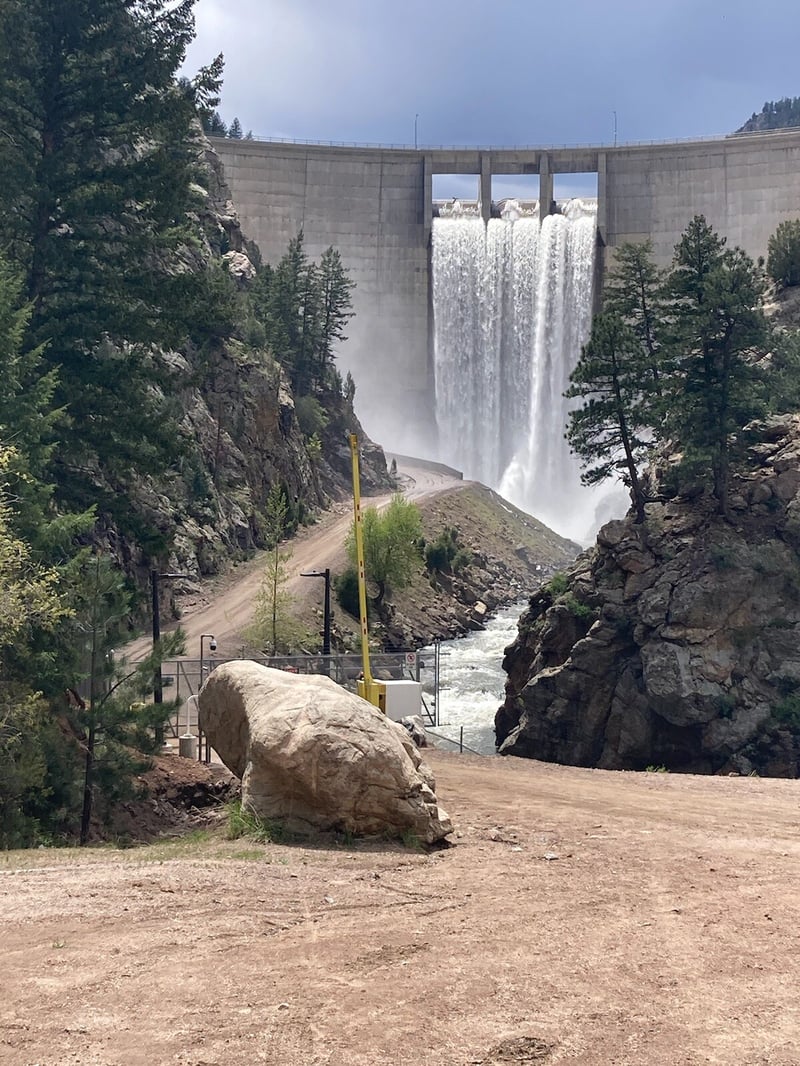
x=375, y=204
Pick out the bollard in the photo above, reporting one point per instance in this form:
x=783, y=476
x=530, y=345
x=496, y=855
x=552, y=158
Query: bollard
x=187, y=746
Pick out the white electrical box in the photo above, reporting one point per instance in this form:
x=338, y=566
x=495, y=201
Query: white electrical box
x=402, y=699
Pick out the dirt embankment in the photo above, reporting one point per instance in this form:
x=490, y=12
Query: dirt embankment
x=582, y=917
x=512, y=551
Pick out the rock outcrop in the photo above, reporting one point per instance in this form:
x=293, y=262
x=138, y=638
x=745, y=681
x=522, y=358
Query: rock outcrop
x=675, y=643
x=312, y=756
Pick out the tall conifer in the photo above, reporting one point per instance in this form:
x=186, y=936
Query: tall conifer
x=99, y=149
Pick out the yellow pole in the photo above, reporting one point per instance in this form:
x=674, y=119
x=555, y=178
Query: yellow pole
x=362, y=582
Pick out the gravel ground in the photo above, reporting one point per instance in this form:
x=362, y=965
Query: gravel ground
x=580, y=917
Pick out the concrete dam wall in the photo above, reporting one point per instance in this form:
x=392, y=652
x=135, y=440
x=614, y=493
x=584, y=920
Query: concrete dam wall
x=375, y=205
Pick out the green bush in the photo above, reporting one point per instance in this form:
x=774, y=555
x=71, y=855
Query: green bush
x=345, y=587
x=787, y=713
x=558, y=585
x=580, y=610
x=311, y=415
x=783, y=254
x=445, y=554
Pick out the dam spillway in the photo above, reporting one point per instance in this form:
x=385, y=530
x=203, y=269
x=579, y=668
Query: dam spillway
x=512, y=304
x=375, y=204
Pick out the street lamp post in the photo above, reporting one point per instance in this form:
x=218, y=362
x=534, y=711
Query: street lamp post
x=212, y=644
x=326, y=614
x=416, y=119
x=615, y=128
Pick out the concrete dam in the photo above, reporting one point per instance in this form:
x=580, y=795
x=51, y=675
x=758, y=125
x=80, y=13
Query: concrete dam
x=457, y=347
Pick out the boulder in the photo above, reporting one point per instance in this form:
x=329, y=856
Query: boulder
x=313, y=756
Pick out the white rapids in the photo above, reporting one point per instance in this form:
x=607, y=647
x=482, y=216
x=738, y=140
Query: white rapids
x=512, y=307
x=471, y=681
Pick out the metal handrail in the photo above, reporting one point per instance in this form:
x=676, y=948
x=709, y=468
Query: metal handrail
x=604, y=146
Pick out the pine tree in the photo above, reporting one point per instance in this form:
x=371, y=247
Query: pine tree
x=610, y=431
x=336, y=306
x=718, y=329
x=30, y=601
x=235, y=131
x=115, y=725
x=305, y=307
x=99, y=155
x=635, y=292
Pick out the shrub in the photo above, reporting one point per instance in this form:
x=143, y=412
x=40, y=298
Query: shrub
x=580, y=610
x=787, y=713
x=557, y=585
x=345, y=587
x=783, y=254
x=311, y=415
x=445, y=554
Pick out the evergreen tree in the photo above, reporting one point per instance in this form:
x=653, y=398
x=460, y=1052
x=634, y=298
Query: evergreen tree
x=235, y=131
x=284, y=306
x=99, y=155
x=115, y=725
x=718, y=328
x=214, y=126
x=336, y=307
x=635, y=292
x=304, y=307
x=27, y=418
x=783, y=254
x=30, y=601
x=609, y=432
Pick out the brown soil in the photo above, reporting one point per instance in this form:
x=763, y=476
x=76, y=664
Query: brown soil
x=581, y=917
x=516, y=552
x=224, y=606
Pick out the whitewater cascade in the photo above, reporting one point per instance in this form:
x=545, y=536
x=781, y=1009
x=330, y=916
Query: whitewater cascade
x=512, y=306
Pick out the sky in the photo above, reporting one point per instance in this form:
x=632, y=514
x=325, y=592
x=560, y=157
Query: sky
x=514, y=72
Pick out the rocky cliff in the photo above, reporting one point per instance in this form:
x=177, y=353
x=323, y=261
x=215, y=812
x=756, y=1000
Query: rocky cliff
x=240, y=434
x=675, y=643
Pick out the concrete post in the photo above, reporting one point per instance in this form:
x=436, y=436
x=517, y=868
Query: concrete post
x=427, y=196
x=485, y=187
x=545, y=187
x=602, y=200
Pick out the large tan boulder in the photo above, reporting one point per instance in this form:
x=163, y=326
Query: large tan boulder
x=313, y=756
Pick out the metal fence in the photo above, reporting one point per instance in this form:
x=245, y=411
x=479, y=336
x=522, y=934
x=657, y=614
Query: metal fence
x=182, y=678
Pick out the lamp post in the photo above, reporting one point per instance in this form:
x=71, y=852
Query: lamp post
x=212, y=644
x=416, y=119
x=326, y=614
x=614, y=113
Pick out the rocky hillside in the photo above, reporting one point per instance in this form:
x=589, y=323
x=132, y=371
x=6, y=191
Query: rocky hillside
x=241, y=435
x=507, y=551
x=674, y=643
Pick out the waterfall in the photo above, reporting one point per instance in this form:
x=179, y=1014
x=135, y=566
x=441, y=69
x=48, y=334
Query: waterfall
x=512, y=307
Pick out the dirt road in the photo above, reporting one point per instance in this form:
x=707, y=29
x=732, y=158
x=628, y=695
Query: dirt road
x=229, y=607
x=582, y=917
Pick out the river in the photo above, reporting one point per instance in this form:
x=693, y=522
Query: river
x=471, y=681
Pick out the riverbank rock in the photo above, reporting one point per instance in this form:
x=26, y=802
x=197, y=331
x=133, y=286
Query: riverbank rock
x=313, y=756
x=674, y=643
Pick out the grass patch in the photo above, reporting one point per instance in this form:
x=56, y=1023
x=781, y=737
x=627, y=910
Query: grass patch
x=244, y=823
x=410, y=840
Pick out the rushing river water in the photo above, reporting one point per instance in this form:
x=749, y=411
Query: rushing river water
x=471, y=681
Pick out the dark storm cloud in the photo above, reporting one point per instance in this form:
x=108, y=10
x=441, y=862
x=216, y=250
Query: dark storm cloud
x=518, y=72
